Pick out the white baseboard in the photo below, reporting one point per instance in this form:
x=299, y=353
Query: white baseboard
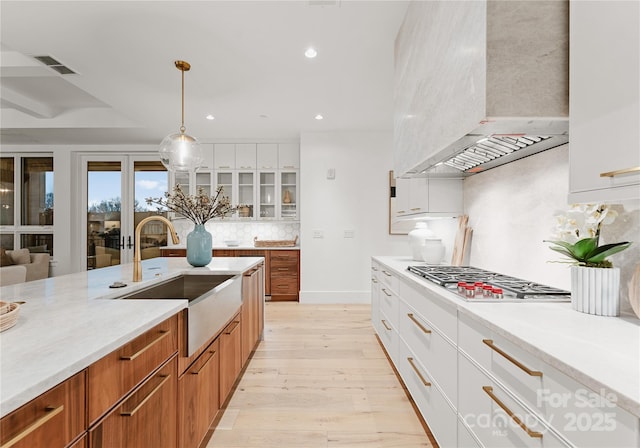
x=317, y=297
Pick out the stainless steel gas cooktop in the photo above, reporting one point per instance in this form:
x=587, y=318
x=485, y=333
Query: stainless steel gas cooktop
x=478, y=285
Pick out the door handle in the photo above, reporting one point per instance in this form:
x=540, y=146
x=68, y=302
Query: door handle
x=122, y=245
x=129, y=243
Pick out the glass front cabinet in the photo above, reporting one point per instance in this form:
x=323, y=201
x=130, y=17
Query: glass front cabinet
x=252, y=177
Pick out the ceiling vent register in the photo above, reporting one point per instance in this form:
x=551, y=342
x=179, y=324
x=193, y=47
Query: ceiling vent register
x=55, y=65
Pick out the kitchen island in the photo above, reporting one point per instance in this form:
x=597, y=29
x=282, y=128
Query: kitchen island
x=572, y=378
x=71, y=321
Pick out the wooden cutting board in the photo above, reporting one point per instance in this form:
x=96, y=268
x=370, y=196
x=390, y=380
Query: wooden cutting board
x=458, y=252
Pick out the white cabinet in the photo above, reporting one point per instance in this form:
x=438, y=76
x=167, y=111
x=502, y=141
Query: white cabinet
x=191, y=182
x=245, y=156
x=267, y=155
x=288, y=187
x=604, y=101
x=252, y=177
x=288, y=156
x=437, y=196
x=207, y=157
x=476, y=387
x=529, y=387
x=224, y=156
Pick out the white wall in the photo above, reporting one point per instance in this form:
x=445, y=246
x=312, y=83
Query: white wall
x=333, y=268
x=511, y=211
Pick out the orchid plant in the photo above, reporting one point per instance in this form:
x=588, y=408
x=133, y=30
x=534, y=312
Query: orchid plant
x=198, y=208
x=577, y=235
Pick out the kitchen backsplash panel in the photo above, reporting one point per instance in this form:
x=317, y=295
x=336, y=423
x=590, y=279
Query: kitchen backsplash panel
x=511, y=210
x=244, y=232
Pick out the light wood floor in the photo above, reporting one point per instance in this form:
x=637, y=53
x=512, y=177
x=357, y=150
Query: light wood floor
x=319, y=379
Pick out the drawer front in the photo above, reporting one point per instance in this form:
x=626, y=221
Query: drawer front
x=389, y=304
x=389, y=279
x=173, y=252
x=284, y=256
x=388, y=336
x=284, y=285
x=287, y=268
x=440, y=417
x=582, y=416
x=435, y=353
x=198, y=397
x=51, y=420
x=145, y=417
x=113, y=376
x=432, y=308
x=491, y=413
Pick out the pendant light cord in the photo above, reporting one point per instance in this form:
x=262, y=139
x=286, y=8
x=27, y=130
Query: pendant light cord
x=182, y=128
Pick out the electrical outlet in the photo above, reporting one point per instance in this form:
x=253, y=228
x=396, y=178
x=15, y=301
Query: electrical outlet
x=317, y=233
x=349, y=233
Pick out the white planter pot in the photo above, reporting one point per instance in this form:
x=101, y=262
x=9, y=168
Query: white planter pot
x=595, y=290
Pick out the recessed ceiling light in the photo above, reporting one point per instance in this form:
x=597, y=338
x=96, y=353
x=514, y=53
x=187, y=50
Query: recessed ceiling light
x=311, y=53
x=210, y=117
x=318, y=117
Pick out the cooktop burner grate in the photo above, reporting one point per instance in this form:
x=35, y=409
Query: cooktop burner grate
x=449, y=276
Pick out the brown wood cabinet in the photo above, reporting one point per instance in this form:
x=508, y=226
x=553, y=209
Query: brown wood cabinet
x=199, y=397
x=230, y=357
x=52, y=420
x=252, y=310
x=147, y=417
x=112, y=377
x=285, y=274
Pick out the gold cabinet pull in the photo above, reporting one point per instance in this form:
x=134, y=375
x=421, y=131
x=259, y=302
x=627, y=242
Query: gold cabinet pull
x=386, y=292
x=374, y=280
x=489, y=391
x=373, y=268
x=510, y=358
x=211, y=353
x=386, y=273
x=235, y=324
x=132, y=412
x=163, y=334
x=417, y=322
x=620, y=172
x=415, y=369
x=384, y=322
x=51, y=412
x=416, y=209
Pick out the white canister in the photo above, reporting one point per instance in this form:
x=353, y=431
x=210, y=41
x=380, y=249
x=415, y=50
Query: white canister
x=432, y=251
x=417, y=237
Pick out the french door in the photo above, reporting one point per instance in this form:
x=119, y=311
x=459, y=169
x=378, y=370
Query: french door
x=114, y=191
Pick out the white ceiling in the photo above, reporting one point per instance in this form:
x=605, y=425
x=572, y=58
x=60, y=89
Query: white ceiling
x=246, y=61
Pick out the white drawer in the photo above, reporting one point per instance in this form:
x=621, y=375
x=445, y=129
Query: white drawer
x=389, y=304
x=491, y=413
x=582, y=416
x=388, y=278
x=435, y=409
x=432, y=350
x=431, y=307
x=388, y=336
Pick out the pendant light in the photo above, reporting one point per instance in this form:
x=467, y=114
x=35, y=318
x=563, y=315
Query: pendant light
x=180, y=151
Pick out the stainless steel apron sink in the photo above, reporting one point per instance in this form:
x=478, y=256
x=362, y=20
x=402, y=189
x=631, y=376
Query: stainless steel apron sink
x=213, y=300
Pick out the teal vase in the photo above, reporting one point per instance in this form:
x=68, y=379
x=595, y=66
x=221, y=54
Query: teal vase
x=199, y=245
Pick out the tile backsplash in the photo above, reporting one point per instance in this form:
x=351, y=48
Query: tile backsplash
x=243, y=231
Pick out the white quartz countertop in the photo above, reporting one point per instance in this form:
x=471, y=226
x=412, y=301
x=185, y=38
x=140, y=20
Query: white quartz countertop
x=603, y=353
x=70, y=321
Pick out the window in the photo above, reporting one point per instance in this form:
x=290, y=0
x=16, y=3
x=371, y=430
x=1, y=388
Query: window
x=26, y=202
